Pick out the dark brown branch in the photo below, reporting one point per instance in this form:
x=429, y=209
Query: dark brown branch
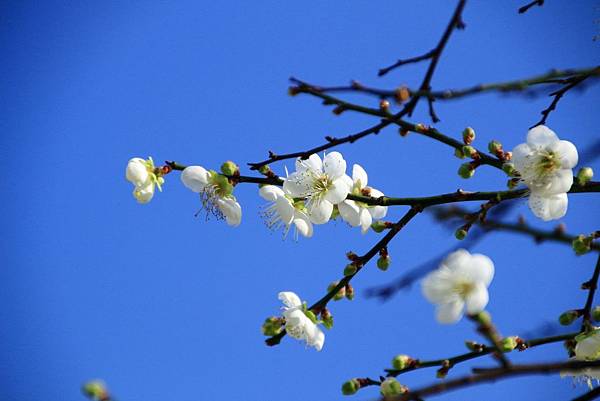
x=557, y=96
x=402, y=62
x=590, y=395
x=527, y=6
x=591, y=286
x=360, y=262
x=491, y=375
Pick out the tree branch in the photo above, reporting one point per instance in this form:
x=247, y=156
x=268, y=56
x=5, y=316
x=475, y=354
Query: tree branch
x=591, y=286
x=527, y=6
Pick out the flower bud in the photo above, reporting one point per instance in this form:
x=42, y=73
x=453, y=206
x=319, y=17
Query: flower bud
x=379, y=226
x=596, y=313
x=384, y=106
x=272, y=326
x=229, y=168
x=420, y=127
x=350, y=269
x=585, y=175
x=508, y=344
x=474, y=346
x=512, y=183
x=327, y=318
x=350, y=387
x=264, y=170
x=495, y=147
x=466, y=170
x=96, y=390
x=383, y=262
x=390, y=387
x=568, y=317
x=224, y=187
x=401, y=361
x=459, y=153
x=509, y=169
x=351, y=256
x=469, y=151
x=349, y=290
x=460, y=234
x=581, y=245
x=402, y=94
x=468, y=135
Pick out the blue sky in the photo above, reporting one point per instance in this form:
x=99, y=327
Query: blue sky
x=165, y=305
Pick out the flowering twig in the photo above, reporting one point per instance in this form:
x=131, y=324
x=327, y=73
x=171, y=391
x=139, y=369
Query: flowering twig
x=591, y=286
x=489, y=375
x=360, y=261
x=527, y=6
x=521, y=227
x=486, y=328
x=553, y=77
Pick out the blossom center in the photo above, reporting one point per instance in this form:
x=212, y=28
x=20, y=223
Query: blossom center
x=321, y=184
x=464, y=288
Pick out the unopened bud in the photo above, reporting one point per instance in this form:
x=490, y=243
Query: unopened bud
x=466, y=170
x=582, y=244
x=378, y=226
x=509, y=169
x=384, y=105
x=350, y=269
x=495, y=147
x=264, y=170
x=459, y=153
x=390, y=387
x=585, y=175
x=474, y=346
x=96, y=390
x=230, y=168
x=349, y=290
x=460, y=234
x=351, y=256
x=419, y=127
x=327, y=318
x=383, y=263
x=341, y=292
x=469, y=151
x=468, y=135
x=512, y=183
x=402, y=94
x=401, y=361
x=272, y=326
x=568, y=317
x=508, y=344
x=350, y=387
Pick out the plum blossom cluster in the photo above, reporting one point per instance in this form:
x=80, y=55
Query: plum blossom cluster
x=145, y=177
x=545, y=164
x=587, y=348
x=300, y=322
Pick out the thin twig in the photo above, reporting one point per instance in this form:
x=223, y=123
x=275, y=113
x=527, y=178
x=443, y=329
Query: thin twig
x=527, y=6
x=591, y=286
x=558, y=94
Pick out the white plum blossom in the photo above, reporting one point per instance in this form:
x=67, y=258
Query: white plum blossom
x=461, y=280
x=357, y=213
x=586, y=349
x=215, y=191
x=144, y=177
x=546, y=164
x=297, y=324
x=321, y=183
x=284, y=211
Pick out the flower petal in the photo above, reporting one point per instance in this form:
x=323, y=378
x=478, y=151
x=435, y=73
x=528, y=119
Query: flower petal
x=568, y=153
x=438, y=287
x=145, y=193
x=520, y=154
x=136, y=171
x=359, y=175
x=482, y=269
x=350, y=212
x=548, y=208
x=338, y=192
x=285, y=210
x=270, y=192
x=541, y=136
x=195, y=178
x=314, y=336
x=450, y=312
x=378, y=212
x=297, y=184
x=559, y=183
x=320, y=211
x=290, y=299
x=312, y=163
x=457, y=259
x=365, y=220
x=477, y=298
x=231, y=210
x=334, y=165
x=303, y=224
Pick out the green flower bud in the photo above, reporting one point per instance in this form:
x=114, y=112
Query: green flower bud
x=568, y=317
x=473, y=346
x=401, y=361
x=469, y=151
x=378, y=226
x=596, y=313
x=466, y=170
x=350, y=387
x=390, y=387
x=468, y=135
x=460, y=234
x=272, y=326
x=494, y=147
x=96, y=390
x=229, y=168
x=327, y=318
x=585, y=175
x=224, y=187
x=311, y=315
x=508, y=344
x=509, y=169
x=383, y=263
x=459, y=153
x=340, y=294
x=350, y=269
x=264, y=170
x=512, y=183
x=349, y=292
x=581, y=245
